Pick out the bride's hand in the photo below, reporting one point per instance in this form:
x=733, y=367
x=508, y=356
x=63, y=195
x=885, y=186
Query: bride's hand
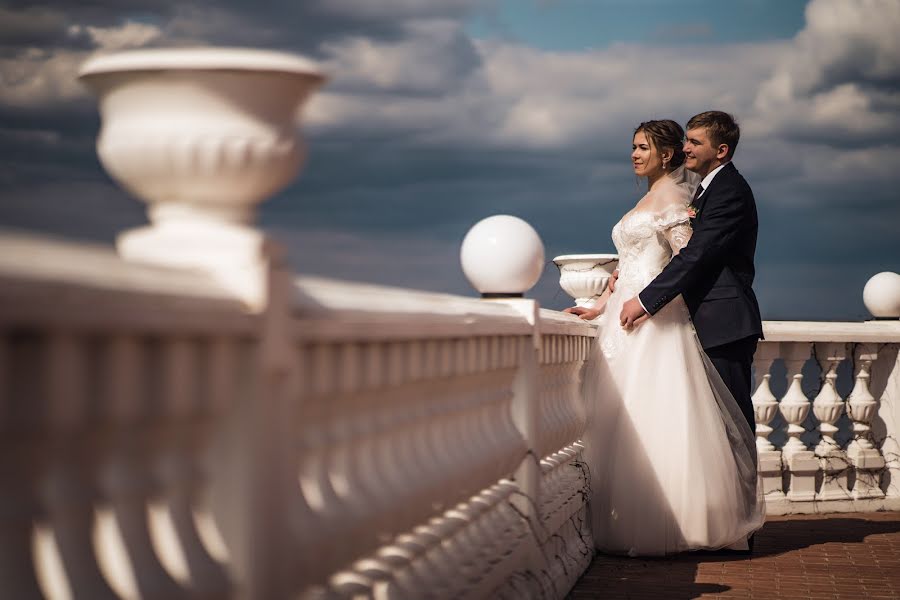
x=612, y=281
x=587, y=314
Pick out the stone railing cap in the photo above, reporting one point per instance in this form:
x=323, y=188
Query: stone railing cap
x=587, y=257
x=192, y=59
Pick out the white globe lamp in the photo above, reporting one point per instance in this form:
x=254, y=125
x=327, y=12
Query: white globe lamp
x=502, y=256
x=882, y=295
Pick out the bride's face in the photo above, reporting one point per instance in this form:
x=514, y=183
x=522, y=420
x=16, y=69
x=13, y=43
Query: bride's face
x=645, y=158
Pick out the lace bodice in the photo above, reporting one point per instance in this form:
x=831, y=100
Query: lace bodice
x=646, y=241
x=646, y=237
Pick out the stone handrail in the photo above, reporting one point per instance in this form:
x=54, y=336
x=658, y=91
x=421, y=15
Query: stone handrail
x=163, y=438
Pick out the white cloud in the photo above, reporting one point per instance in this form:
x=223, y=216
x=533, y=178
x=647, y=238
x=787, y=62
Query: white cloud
x=432, y=58
x=41, y=77
x=38, y=77
x=516, y=96
x=838, y=81
x=128, y=35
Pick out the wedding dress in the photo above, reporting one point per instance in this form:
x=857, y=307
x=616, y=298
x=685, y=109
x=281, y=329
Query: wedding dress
x=672, y=460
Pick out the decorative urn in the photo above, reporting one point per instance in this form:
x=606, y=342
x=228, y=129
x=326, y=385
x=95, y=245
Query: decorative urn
x=585, y=276
x=203, y=136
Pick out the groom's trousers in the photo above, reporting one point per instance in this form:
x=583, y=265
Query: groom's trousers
x=733, y=362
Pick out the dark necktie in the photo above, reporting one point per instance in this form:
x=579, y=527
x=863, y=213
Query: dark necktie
x=698, y=192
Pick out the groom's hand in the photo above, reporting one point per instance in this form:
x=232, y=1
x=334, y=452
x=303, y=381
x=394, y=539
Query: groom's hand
x=632, y=315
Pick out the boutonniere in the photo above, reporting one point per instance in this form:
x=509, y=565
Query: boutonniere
x=692, y=211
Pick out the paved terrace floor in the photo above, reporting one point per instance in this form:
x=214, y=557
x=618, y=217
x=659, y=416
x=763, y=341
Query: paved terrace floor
x=817, y=557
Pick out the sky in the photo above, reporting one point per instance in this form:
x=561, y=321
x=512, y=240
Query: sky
x=439, y=113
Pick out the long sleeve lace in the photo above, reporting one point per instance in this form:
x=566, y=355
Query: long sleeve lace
x=678, y=236
x=675, y=224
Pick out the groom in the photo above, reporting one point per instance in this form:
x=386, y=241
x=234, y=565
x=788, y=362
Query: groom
x=714, y=272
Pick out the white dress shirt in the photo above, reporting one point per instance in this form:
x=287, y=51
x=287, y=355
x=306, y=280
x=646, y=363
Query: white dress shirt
x=709, y=177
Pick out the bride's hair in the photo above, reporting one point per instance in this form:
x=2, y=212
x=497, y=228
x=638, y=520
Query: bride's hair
x=665, y=133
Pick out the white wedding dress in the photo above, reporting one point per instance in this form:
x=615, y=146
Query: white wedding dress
x=672, y=460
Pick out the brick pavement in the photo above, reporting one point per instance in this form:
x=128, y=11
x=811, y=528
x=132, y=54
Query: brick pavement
x=817, y=557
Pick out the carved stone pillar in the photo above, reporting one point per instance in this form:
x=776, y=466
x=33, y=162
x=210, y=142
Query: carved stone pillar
x=867, y=460
x=765, y=406
x=828, y=407
x=800, y=461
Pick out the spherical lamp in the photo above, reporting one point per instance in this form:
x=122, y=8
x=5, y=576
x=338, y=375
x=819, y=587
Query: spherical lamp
x=502, y=256
x=882, y=295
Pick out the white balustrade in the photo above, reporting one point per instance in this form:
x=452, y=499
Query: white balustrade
x=853, y=465
x=173, y=456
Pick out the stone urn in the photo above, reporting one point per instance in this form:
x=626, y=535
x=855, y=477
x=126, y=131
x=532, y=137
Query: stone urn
x=585, y=276
x=203, y=136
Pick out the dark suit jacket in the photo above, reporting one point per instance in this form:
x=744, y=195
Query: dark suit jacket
x=714, y=272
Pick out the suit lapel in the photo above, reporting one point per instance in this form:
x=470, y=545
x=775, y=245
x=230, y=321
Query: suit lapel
x=717, y=180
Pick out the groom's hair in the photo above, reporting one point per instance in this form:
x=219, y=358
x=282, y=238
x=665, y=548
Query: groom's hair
x=720, y=127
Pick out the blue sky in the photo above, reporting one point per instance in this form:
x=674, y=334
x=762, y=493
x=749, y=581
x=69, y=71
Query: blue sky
x=572, y=25
x=439, y=113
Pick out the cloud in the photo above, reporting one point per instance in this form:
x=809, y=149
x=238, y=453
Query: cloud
x=508, y=95
x=839, y=82
x=37, y=76
x=37, y=27
x=128, y=35
x=362, y=64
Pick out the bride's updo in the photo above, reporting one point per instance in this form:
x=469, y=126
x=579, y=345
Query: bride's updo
x=665, y=133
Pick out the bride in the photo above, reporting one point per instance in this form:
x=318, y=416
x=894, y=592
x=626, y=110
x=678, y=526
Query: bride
x=672, y=458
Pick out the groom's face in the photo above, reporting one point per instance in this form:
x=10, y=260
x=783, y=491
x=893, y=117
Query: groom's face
x=700, y=154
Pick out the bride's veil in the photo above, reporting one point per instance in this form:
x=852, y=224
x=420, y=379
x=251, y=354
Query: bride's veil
x=684, y=177
x=686, y=181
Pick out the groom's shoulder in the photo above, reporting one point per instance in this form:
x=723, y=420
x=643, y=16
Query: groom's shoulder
x=733, y=177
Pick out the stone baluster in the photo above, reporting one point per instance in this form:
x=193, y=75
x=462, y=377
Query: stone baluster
x=828, y=407
x=20, y=368
x=183, y=551
x=127, y=551
x=66, y=489
x=866, y=459
x=799, y=460
x=765, y=406
x=321, y=441
x=886, y=377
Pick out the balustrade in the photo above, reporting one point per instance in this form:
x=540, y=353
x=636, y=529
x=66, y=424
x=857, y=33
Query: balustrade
x=829, y=476
x=430, y=442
